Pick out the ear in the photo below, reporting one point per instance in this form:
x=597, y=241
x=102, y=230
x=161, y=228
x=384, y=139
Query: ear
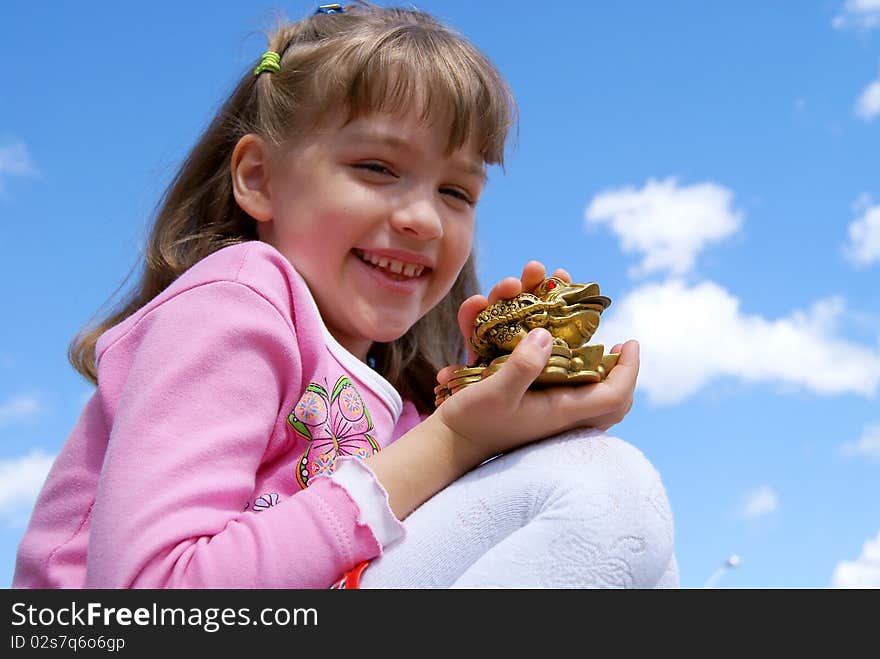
x=250, y=168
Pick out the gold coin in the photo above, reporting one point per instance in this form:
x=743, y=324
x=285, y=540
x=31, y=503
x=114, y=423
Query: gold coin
x=584, y=377
x=555, y=361
x=472, y=376
x=459, y=382
x=458, y=388
x=553, y=377
x=465, y=372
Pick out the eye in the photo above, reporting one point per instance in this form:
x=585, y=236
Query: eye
x=375, y=167
x=458, y=194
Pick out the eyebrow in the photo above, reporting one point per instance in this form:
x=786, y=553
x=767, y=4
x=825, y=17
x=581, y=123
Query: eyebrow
x=395, y=142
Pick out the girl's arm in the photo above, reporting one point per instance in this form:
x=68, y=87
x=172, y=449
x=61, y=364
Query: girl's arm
x=196, y=392
x=495, y=416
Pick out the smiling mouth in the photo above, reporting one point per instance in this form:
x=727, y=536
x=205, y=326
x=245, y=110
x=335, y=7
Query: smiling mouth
x=392, y=268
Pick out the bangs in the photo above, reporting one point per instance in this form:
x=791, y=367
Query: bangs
x=430, y=72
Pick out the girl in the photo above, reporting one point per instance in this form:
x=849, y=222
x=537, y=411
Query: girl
x=264, y=406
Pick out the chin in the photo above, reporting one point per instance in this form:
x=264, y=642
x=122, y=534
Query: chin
x=390, y=332
x=387, y=336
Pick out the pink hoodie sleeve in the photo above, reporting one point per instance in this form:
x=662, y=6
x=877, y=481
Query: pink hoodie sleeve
x=196, y=391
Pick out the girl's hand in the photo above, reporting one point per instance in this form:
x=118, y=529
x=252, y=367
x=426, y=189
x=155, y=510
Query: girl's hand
x=533, y=274
x=500, y=413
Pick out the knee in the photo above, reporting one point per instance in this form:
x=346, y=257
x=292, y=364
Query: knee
x=585, y=458
x=618, y=505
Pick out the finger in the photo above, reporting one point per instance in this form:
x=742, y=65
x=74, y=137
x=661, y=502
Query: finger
x=616, y=349
x=562, y=273
x=468, y=311
x=467, y=314
x=533, y=274
x=505, y=289
x=626, y=371
x=524, y=364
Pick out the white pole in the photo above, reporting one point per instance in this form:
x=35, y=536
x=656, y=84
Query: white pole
x=732, y=562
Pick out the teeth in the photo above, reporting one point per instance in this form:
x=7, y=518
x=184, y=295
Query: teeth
x=394, y=266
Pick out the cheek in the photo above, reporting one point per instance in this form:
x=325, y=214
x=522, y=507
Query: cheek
x=458, y=245
x=314, y=236
x=461, y=241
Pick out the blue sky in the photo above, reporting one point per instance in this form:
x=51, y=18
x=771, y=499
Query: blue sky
x=714, y=166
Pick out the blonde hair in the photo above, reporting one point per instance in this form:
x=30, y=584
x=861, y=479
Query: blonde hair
x=367, y=59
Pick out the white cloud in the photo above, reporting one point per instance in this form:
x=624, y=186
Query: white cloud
x=691, y=335
x=864, y=572
x=15, y=161
x=864, y=238
x=759, y=502
x=867, y=446
x=868, y=105
x=19, y=407
x=20, y=483
x=666, y=223
x=861, y=14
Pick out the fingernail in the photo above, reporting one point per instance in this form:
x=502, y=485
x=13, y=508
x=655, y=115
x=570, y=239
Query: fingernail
x=539, y=337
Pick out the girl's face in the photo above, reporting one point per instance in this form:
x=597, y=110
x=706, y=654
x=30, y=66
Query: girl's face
x=378, y=219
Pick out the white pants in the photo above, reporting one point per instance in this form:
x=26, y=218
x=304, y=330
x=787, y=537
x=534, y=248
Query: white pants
x=580, y=510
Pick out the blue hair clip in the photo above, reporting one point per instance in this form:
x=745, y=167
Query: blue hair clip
x=329, y=9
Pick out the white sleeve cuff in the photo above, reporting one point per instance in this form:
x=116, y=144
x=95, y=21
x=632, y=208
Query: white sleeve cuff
x=372, y=499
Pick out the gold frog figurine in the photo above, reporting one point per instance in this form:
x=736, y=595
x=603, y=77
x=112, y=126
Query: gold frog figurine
x=570, y=312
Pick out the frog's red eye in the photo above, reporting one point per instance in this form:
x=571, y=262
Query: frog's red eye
x=551, y=285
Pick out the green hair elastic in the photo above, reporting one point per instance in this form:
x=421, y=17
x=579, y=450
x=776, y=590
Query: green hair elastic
x=270, y=61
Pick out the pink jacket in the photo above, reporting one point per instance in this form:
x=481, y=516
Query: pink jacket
x=203, y=458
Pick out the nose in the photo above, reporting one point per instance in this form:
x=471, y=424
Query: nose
x=418, y=216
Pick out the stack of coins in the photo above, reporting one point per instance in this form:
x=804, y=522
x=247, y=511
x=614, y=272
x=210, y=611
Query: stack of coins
x=441, y=393
x=459, y=380
x=463, y=377
x=558, y=371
